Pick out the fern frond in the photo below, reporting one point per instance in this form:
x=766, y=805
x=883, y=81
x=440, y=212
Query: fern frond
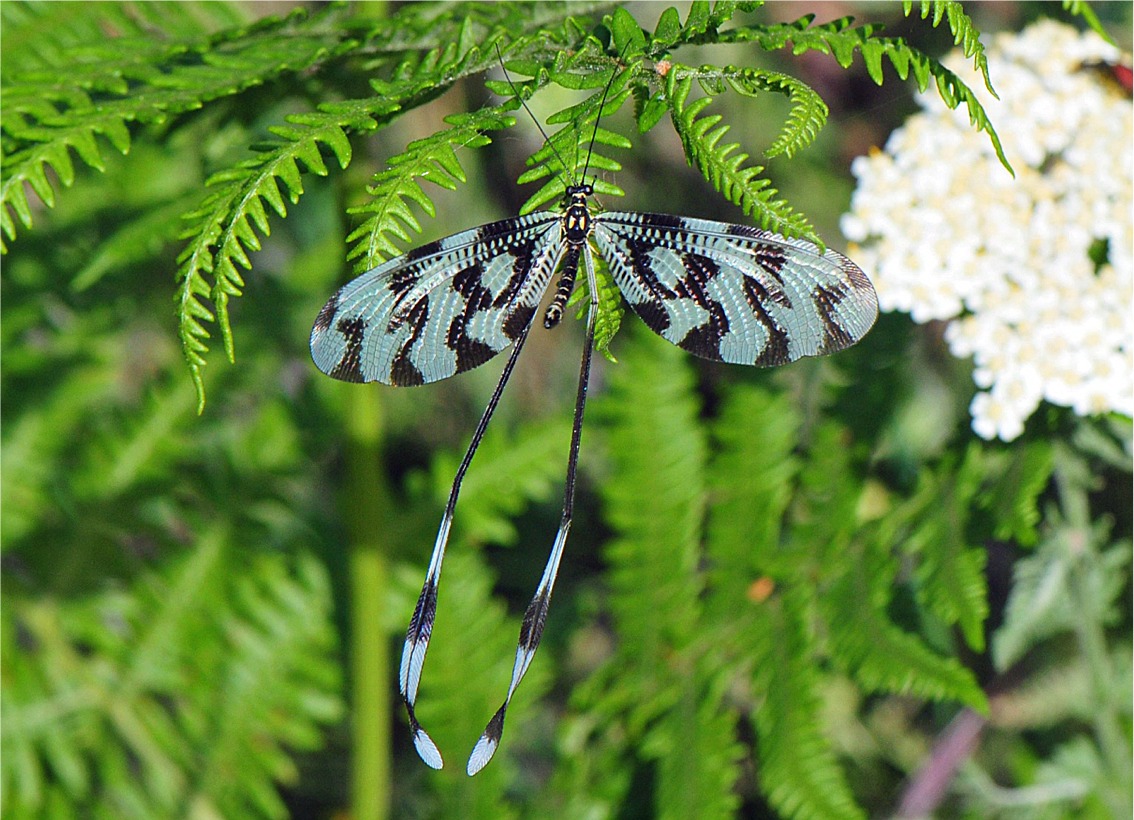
x=571, y=146
x=223, y=227
x=148, y=85
x=951, y=572
x=756, y=468
x=798, y=771
x=30, y=166
x=842, y=41
x=808, y=112
x=109, y=718
x=656, y=450
x=667, y=688
x=432, y=159
x=1081, y=8
x=626, y=35
x=697, y=751
x=953, y=91
x=279, y=628
x=965, y=33
x=704, y=19
x=223, y=220
x=610, y=306
x=837, y=38
x=725, y=170
x=1012, y=500
x=46, y=35
x=875, y=651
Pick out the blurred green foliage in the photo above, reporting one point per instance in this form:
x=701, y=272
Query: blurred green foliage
x=781, y=588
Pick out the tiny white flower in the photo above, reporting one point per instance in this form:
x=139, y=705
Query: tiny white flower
x=947, y=234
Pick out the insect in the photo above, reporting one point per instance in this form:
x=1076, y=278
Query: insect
x=724, y=292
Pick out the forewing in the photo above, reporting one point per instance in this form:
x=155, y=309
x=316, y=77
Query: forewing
x=732, y=293
x=440, y=309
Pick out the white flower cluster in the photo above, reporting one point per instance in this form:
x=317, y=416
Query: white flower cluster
x=946, y=233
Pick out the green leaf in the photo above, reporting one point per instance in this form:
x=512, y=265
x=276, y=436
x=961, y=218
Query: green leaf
x=432, y=159
x=808, y=112
x=625, y=33
x=725, y=170
x=1045, y=601
x=1080, y=8
x=951, y=573
x=878, y=654
x=1013, y=497
x=651, y=112
x=799, y=774
x=668, y=28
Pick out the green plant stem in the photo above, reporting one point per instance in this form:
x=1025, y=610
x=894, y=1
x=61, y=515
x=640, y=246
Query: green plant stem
x=1074, y=478
x=367, y=508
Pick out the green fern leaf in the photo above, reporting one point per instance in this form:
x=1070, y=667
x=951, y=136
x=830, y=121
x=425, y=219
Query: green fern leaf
x=166, y=81
x=1013, y=498
x=965, y=33
x=573, y=145
x=656, y=451
x=725, y=170
x=798, y=771
x=953, y=92
x=1081, y=8
x=432, y=159
x=610, y=307
x=279, y=629
x=662, y=686
x=697, y=753
x=43, y=36
x=756, y=469
x=879, y=655
x=30, y=166
x=841, y=40
x=222, y=222
x=626, y=36
x=951, y=572
x=124, y=723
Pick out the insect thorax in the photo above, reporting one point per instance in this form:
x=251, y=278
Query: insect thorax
x=577, y=217
x=576, y=229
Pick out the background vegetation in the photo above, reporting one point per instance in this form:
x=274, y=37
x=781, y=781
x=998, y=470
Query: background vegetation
x=782, y=588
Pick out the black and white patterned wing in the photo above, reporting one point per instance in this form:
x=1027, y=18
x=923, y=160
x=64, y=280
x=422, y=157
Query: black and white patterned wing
x=733, y=293
x=440, y=309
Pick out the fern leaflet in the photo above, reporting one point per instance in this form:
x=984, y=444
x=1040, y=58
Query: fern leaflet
x=149, y=85
x=798, y=770
x=739, y=184
x=808, y=112
x=432, y=159
x=842, y=41
x=226, y=218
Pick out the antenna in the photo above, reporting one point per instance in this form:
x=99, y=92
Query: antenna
x=546, y=139
x=601, y=106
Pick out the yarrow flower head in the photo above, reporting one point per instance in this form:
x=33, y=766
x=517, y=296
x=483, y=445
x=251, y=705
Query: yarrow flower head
x=1034, y=275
